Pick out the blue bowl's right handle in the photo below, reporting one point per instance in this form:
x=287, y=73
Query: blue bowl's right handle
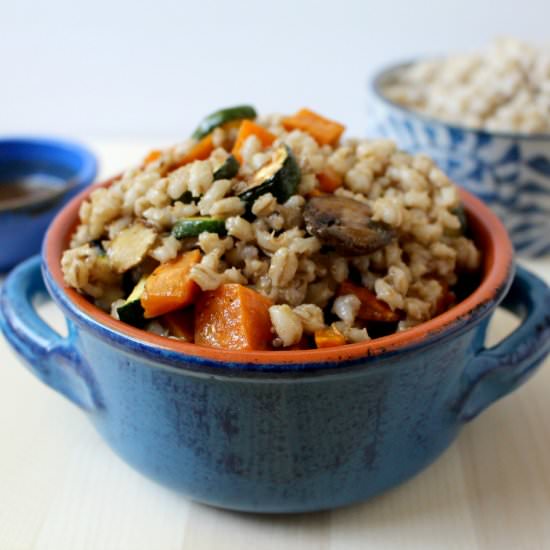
x=496, y=371
x=51, y=357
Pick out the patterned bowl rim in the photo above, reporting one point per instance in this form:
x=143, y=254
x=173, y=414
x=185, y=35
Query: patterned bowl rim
x=497, y=269
x=377, y=81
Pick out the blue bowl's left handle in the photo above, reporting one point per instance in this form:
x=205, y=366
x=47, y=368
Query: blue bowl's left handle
x=496, y=371
x=51, y=357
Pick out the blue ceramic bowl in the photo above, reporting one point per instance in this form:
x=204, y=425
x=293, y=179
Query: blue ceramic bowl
x=281, y=431
x=510, y=172
x=65, y=166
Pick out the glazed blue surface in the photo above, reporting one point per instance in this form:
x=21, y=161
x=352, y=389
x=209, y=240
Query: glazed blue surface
x=22, y=229
x=311, y=437
x=510, y=172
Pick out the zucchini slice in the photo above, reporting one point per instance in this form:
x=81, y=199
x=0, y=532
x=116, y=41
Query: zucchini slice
x=131, y=311
x=280, y=178
x=130, y=246
x=229, y=169
x=223, y=116
x=193, y=227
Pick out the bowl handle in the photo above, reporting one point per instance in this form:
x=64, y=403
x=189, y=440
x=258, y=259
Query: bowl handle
x=496, y=371
x=49, y=356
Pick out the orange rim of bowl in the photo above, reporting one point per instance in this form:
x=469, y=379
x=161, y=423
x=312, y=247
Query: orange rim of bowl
x=490, y=236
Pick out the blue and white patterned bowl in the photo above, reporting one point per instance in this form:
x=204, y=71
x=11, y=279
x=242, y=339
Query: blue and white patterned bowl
x=510, y=172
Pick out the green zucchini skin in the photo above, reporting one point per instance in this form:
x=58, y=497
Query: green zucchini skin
x=212, y=121
x=187, y=198
x=229, y=169
x=131, y=311
x=460, y=213
x=282, y=177
x=193, y=227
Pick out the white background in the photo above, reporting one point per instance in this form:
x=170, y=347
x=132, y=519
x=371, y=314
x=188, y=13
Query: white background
x=149, y=70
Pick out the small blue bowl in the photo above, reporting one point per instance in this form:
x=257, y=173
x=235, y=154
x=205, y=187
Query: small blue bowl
x=60, y=168
x=510, y=172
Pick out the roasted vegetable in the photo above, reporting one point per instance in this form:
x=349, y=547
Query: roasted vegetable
x=346, y=225
x=329, y=180
x=315, y=193
x=187, y=197
x=247, y=129
x=372, y=309
x=192, y=227
x=233, y=317
x=132, y=310
x=229, y=169
x=153, y=155
x=180, y=323
x=221, y=117
x=460, y=213
x=129, y=247
x=200, y=151
x=280, y=177
x=323, y=130
x=169, y=287
x=329, y=337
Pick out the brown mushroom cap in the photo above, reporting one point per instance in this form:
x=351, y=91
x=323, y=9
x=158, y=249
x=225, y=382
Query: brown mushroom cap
x=346, y=225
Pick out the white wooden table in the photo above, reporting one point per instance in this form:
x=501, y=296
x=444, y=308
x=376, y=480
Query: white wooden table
x=62, y=488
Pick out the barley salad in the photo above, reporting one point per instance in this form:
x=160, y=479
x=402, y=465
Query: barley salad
x=271, y=232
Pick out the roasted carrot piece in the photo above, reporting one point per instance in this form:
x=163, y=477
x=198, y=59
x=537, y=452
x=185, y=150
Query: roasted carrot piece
x=233, y=317
x=329, y=337
x=200, y=151
x=152, y=156
x=203, y=148
x=372, y=309
x=180, y=323
x=323, y=130
x=315, y=193
x=169, y=287
x=329, y=180
x=247, y=129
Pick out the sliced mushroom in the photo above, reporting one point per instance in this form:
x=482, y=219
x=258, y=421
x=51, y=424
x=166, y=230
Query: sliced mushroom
x=129, y=247
x=346, y=225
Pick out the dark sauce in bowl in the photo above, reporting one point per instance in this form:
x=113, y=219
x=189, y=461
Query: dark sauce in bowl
x=32, y=185
x=37, y=176
x=30, y=190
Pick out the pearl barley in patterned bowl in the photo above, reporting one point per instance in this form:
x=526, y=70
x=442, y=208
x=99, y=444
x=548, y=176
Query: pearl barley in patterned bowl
x=485, y=119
